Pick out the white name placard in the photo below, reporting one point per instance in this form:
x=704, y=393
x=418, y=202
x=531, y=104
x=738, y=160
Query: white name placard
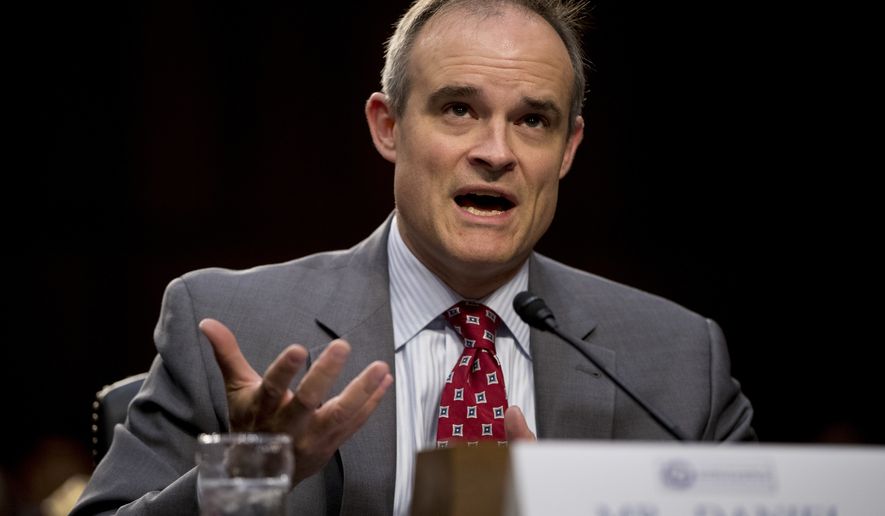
x=566, y=478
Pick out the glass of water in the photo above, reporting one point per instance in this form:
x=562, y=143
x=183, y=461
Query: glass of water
x=243, y=473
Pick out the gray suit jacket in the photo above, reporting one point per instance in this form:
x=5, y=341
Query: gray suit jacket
x=674, y=359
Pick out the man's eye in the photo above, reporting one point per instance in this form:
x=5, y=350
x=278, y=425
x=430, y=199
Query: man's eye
x=534, y=121
x=459, y=109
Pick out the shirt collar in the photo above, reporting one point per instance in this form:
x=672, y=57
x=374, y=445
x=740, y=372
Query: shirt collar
x=418, y=297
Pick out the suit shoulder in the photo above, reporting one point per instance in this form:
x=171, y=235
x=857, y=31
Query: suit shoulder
x=273, y=272
x=609, y=296
x=294, y=279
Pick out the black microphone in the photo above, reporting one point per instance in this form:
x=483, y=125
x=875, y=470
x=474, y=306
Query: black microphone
x=534, y=311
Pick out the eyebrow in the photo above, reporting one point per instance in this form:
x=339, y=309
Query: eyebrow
x=544, y=106
x=452, y=92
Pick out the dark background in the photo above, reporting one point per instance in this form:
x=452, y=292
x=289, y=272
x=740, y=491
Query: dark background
x=716, y=170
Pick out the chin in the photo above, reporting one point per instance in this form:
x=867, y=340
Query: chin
x=488, y=256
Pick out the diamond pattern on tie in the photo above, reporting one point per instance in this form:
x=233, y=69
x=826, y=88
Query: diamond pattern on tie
x=474, y=397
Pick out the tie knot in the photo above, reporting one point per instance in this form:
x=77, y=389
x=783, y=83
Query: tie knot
x=475, y=323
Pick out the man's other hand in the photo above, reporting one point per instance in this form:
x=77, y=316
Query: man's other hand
x=515, y=427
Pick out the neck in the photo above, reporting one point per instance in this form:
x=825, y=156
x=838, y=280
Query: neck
x=474, y=284
x=469, y=280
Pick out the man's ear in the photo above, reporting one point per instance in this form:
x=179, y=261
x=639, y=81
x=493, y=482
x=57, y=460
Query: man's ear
x=571, y=146
x=379, y=114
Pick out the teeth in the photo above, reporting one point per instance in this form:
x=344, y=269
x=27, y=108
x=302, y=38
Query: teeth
x=483, y=213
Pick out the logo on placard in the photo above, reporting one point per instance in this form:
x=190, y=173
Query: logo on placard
x=678, y=475
x=731, y=476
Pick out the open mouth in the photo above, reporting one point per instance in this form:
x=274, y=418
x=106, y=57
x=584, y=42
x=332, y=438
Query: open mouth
x=484, y=205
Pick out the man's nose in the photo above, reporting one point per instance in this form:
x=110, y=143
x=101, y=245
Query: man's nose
x=492, y=150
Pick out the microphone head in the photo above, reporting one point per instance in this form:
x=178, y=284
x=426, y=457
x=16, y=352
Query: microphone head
x=534, y=311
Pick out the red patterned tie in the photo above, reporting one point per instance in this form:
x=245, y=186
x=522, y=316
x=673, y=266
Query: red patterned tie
x=474, y=398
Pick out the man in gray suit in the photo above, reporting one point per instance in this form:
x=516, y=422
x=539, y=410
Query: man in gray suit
x=480, y=115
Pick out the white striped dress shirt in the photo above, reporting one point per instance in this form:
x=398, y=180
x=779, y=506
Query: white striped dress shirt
x=426, y=349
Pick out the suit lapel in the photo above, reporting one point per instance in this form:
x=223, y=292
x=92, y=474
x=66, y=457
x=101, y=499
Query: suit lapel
x=359, y=311
x=572, y=398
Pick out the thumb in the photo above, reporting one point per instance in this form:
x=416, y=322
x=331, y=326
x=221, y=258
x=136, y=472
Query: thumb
x=234, y=367
x=515, y=427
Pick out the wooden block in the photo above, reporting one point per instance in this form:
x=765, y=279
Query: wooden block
x=461, y=480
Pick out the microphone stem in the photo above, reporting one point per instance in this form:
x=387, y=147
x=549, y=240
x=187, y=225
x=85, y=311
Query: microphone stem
x=671, y=429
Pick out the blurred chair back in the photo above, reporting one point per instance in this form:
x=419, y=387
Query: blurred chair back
x=109, y=408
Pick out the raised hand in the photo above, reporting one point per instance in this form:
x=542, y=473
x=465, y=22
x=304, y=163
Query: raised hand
x=266, y=404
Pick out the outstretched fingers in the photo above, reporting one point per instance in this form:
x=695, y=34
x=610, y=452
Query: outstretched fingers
x=340, y=417
x=317, y=426
x=274, y=391
x=345, y=413
x=317, y=382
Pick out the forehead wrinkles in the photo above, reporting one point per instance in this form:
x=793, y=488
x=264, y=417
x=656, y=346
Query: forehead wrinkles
x=538, y=72
x=509, y=43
